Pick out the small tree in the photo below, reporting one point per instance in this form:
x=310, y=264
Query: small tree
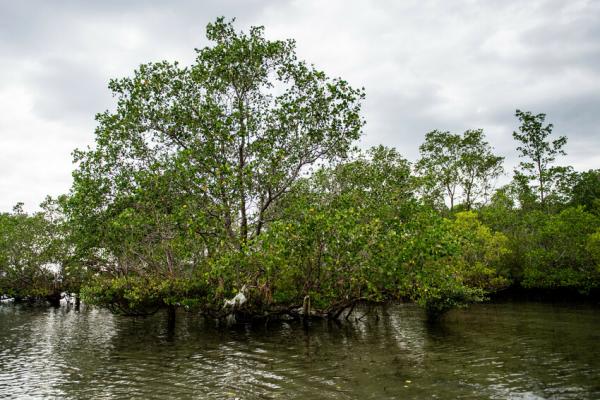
x=586, y=191
x=458, y=166
x=438, y=166
x=539, y=152
x=478, y=167
x=26, y=250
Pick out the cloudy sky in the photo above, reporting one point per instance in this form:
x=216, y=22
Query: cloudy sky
x=450, y=65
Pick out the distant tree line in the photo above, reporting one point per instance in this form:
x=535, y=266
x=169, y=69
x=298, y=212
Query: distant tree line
x=238, y=176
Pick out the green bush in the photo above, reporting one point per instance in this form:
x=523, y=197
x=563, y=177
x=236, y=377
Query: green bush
x=560, y=251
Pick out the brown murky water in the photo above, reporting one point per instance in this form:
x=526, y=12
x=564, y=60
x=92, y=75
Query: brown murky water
x=499, y=351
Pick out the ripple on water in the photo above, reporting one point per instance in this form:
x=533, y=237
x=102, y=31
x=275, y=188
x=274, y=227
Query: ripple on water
x=518, y=351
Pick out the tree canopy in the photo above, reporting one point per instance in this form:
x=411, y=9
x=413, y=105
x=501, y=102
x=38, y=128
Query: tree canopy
x=200, y=154
x=458, y=167
x=539, y=154
x=237, y=177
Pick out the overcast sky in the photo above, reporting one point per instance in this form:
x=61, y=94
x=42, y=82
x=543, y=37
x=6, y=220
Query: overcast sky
x=450, y=65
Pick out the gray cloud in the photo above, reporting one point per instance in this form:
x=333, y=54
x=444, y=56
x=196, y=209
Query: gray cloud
x=67, y=90
x=425, y=65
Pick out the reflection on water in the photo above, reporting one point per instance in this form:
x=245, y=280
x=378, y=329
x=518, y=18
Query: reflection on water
x=510, y=350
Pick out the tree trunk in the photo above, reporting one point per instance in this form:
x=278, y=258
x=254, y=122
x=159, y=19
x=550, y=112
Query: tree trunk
x=171, y=314
x=541, y=178
x=242, y=165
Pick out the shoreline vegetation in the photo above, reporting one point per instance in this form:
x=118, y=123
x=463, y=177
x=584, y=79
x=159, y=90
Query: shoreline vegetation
x=233, y=187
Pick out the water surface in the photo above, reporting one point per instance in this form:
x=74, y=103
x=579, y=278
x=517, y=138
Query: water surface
x=496, y=351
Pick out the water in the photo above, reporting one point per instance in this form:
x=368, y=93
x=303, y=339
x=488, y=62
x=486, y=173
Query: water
x=497, y=351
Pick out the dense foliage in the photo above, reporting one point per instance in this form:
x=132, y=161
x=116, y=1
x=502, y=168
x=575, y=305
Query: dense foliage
x=237, y=178
x=24, y=248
